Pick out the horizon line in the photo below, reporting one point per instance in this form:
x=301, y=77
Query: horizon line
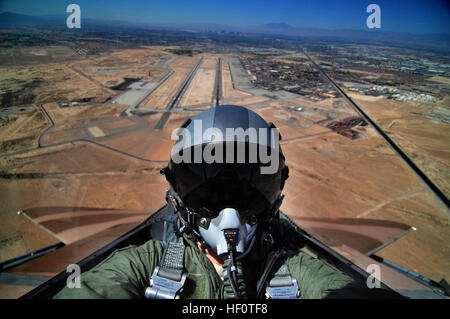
x=234, y=26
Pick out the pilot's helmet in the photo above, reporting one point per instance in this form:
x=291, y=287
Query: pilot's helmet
x=228, y=157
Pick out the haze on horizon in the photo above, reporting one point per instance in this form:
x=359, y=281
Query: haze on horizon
x=413, y=16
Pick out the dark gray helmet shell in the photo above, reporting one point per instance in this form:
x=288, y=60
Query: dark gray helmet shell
x=209, y=187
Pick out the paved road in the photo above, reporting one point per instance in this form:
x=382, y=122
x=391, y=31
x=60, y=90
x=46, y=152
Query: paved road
x=87, y=140
x=394, y=146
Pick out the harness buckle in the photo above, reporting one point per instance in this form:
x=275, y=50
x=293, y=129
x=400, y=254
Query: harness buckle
x=283, y=291
x=164, y=288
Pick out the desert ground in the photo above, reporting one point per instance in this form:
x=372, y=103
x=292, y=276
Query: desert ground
x=82, y=169
x=417, y=130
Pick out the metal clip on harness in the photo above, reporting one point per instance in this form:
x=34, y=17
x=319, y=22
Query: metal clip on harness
x=283, y=285
x=167, y=280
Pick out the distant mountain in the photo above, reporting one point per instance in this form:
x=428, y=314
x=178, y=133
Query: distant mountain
x=377, y=37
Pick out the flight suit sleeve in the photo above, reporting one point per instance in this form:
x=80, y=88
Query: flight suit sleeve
x=317, y=279
x=124, y=274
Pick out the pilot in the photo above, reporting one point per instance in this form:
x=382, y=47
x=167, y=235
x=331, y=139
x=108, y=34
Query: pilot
x=226, y=236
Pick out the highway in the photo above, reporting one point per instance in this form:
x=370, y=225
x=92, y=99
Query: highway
x=394, y=146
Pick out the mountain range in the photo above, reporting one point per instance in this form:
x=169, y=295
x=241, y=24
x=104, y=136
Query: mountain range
x=9, y=20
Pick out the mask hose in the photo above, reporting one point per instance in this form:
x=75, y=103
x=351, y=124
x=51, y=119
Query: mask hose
x=234, y=283
x=234, y=278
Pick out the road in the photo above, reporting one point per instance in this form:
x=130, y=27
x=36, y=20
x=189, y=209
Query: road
x=394, y=146
x=87, y=140
x=90, y=78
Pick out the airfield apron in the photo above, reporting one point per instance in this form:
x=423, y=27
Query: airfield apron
x=126, y=274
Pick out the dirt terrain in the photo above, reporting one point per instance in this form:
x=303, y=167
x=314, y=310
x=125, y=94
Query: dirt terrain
x=43, y=83
x=13, y=136
x=422, y=135
x=112, y=69
x=75, y=168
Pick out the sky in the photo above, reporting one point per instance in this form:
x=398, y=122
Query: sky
x=412, y=16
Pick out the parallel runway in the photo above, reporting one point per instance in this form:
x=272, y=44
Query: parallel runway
x=177, y=98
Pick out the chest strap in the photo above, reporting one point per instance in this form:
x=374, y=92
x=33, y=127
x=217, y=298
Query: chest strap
x=283, y=285
x=168, y=279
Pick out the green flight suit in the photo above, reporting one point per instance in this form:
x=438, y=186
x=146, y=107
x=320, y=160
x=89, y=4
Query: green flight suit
x=126, y=274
